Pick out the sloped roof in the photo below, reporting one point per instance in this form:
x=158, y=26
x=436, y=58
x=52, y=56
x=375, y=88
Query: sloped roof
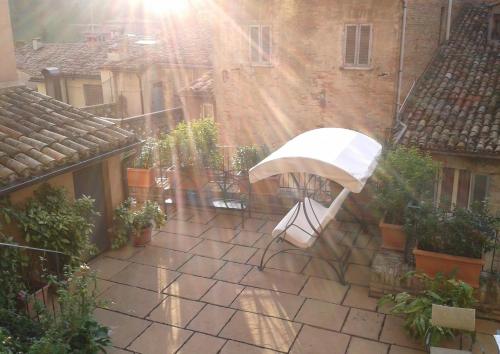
x=202, y=86
x=456, y=105
x=39, y=134
x=78, y=59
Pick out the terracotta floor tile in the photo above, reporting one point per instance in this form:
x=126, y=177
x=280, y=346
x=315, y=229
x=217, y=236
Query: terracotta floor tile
x=322, y=289
x=322, y=314
x=123, y=328
x=176, y=311
x=240, y=254
x=394, y=333
x=253, y=224
x=321, y=269
x=268, y=226
x=402, y=350
x=184, y=228
x=106, y=267
x=288, y=261
x=363, y=323
x=161, y=257
x=181, y=214
x=357, y=296
x=222, y=293
x=174, y=241
x=361, y=256
x=232, y=272
x=275, y=280
x=131, y=300
x=319, y=341
x=211, y=319
x=202, y=266
x=268, y=302
x=114, y=350
x=246, y=238
x=268, y=332
x=212, y=249
x=486, y=342
x=202, y=216
x=147, y=277
x=123, y=253
x=219, y=234
x=232, y=347
x=189, y=286
x=100, y=285
x=364, y=346
x=202, y=343
x=358, y=274
x=160, y=339
x=227, y=221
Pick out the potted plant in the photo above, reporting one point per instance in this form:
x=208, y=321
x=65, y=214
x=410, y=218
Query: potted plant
x=452, y=241
x=404, y=176
x=141, y=173
x=244, y=158
x=130, y=220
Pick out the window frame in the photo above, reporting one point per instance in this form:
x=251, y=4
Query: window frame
x=356, y=65
x=86, y=96
x=259, y=47
x=203, y=110
x=455, y=187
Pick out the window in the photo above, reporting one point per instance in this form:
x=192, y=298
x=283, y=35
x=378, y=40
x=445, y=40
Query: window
x=207, y=110
x=92, y=94
x=357, y=45
x=461, y=188
x=260, y=44
x=495, y=27
x=442, y=25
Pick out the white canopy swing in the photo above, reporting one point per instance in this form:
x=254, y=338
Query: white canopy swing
x=340, y=155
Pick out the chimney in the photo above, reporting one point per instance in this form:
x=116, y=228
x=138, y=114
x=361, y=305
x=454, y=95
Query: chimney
x=37, y=43
x=8, y=72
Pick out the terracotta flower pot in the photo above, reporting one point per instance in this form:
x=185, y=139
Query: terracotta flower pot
x=187, y=179
x=393, y=236
x=139, y=177
x=268, y=186
x=431, y=263
x=27, y=301
x=143, y=237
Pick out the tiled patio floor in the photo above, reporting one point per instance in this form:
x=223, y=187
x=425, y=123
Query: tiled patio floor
x=196, y=290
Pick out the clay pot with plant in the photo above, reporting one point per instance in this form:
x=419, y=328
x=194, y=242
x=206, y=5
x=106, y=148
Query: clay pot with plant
x=452, y=241
x=141, y=172
x=404, y=176
x=136, y=222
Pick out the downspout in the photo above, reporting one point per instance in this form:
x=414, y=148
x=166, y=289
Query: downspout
x=448, y=20
x=140, y=90
x=66, y=90
x=400, y=71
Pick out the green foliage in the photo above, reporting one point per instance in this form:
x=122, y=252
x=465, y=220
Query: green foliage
x=12, y=266
x=146, y=157
x=404, y=176
x=417, y=309
x=128, y=220
x=461, y=232
x=52, y=221
x=17, y=332
x=245, y=157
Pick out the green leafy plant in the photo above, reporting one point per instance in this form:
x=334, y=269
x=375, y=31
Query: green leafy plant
x=417, y=308
x=13, y=265
x=129, y=220
x=245, y=157
x=146, y=158
x=404, y=176
x=17, y=331
x=51, y=220
x=460, y=232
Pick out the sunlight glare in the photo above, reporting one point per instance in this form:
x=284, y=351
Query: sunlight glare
x=160, y=7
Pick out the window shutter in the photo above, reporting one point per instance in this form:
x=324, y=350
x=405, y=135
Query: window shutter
x=365, y=32
x=266, y=44
x=350, y=44
x=480, y=188
x=254, y=43
x=448, y=178
x=464, y=178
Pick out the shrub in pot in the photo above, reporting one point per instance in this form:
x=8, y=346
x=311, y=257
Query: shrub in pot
x=452, y=240
x=404, y=176
x=244, y=158
x=136, y=222
x=141, y=172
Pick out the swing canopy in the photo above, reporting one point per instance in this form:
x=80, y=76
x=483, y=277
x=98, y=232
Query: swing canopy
x=341, y=155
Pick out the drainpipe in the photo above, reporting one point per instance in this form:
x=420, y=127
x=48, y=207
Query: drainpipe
x=448, y=20
x=401, y=64
x=66, y=90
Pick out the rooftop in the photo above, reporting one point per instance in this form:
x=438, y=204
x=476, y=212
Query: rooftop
x=202, y=86
x=456, y=105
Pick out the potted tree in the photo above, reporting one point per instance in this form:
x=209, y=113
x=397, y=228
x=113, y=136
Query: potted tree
x=244, y=158
x=404, y=176
x=141, y=173
x=136, y=222
x=452, y=241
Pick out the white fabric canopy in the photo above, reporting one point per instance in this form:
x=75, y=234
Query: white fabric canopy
x=341, y=155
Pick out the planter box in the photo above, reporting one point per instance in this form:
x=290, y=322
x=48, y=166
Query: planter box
x=268, y=186
x=40, y=294
x=431, y=263
x=393, y=236
x=188, y=179
x=143, y=237
x=139, y=177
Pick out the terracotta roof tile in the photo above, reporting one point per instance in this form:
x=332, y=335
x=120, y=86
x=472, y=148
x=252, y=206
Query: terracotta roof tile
x=456, y=105
x=39, y=133
x=202, y=86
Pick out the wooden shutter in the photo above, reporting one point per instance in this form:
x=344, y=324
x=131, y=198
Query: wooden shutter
x=365, y=35
x=266, y=43
x=464, y=178
x=254, y=43
x=480, y=188
x=350, y=45
x=448, y=177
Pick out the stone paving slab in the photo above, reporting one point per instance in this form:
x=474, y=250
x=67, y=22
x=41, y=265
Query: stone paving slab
x=213, y=249
x=232, y=272
x=131, y=300
x=123, y=329
x=161, y=257
x=189, y=286
x=322, y=289
x=219, y=234
x=211, y=319
x=184, y=228
x=106, y=267
x=202, y=343
x=174, y=242
x=160, y=339
x=240, y=254
x=233, y=347
x=322, y=314
x=363, y=323
x=222, y=293
x=275, y=280
x=146, y=277
x=175, y=311
x=319, y=341
x=364, y=346
x=202, y=266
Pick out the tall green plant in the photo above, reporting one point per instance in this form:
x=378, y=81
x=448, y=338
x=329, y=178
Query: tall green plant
x=245, y=157
x=404, y=176
x=146, y=157
x=417, y=308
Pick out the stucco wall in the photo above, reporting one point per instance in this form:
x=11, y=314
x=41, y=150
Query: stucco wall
x=8, y=70
x=75, y=90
